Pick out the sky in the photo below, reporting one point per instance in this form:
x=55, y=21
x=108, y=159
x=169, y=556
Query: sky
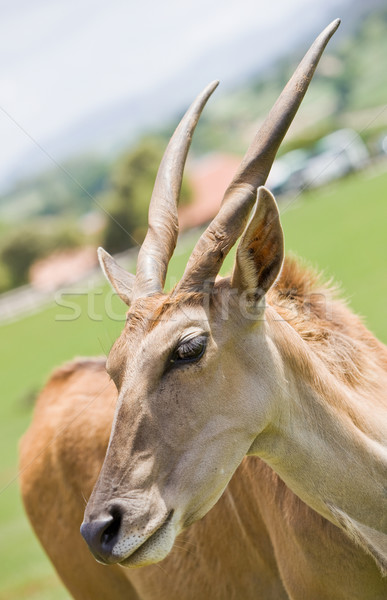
x=62, y=61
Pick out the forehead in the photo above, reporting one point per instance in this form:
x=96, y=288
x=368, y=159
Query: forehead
x=155, y=323
x=157, y=318
x=146, y=314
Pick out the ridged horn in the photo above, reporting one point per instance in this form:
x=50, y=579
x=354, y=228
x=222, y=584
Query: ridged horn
x=222, y=233
x=160, y=240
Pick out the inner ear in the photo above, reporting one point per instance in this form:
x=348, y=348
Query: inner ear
x=121, y=281
x=260, y=252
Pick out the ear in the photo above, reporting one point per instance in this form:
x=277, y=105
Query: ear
x=121, y=280
x=260, y=252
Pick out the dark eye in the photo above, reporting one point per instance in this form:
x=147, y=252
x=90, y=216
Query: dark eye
x=189, y=351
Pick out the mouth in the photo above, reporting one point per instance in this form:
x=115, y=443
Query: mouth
x=154, y=548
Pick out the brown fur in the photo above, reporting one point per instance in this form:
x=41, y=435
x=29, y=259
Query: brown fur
x=258, y=541
x=335, y=341
x=78, y=364
x=330, y=329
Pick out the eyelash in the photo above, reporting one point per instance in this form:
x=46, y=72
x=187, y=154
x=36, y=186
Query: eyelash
x=189, y=348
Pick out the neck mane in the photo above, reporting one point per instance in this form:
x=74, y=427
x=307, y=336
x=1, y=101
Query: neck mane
x=327, y=334
x=329, y=444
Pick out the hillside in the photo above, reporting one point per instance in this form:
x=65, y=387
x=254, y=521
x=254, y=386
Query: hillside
x=349, y=89
x=80, y=201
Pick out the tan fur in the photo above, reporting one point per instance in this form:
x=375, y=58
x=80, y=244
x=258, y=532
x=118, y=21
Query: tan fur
x=338, y=336
x=259, y=541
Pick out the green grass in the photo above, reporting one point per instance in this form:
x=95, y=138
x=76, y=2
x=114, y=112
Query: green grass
x=340, y=228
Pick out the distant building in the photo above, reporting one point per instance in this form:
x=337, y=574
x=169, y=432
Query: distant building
x=62, y=268
x=209, y=178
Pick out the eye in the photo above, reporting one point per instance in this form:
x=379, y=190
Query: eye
x=189, y=350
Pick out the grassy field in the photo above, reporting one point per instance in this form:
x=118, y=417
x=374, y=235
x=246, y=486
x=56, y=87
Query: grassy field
x=339, y=228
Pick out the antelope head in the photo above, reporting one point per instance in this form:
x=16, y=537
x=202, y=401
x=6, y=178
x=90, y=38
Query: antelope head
x=192, y=395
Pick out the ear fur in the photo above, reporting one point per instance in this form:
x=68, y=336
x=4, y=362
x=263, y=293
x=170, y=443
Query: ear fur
x=120, y=280
x=260, y=252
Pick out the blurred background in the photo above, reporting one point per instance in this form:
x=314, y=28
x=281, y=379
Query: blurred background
x=89, y=94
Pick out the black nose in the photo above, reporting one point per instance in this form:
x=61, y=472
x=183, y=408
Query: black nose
x=101, y=535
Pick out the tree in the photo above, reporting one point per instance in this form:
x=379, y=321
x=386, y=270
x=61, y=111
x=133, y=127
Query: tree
x=22, y=246
x=128, y=200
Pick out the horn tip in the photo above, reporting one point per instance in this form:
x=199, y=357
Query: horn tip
x=332, y=27
x=327, y=33
x=213, y=85
x=335, y=24
x=208, y=91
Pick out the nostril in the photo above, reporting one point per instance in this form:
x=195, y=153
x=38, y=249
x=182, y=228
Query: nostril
x=111, y=531
x=101, y=535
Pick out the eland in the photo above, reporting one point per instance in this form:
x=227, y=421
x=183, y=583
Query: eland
x=233, y=445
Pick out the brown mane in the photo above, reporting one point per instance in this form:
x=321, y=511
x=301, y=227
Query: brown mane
x=324, y=321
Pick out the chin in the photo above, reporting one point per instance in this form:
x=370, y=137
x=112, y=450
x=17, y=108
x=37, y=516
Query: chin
x=153, y=550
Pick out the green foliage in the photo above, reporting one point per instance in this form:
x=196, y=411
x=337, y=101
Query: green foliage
x=40, y=215
x=127, y=202
x=132, y=182
x=18, y=252
x=65, y=190
x=355, y=81
x=351, y=78
x=364, y=57
x=22, y=246
x=5, y=278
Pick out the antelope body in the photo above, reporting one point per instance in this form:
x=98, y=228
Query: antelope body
x=247, y=416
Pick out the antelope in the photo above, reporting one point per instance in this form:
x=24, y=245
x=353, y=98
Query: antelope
x=233, y=445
